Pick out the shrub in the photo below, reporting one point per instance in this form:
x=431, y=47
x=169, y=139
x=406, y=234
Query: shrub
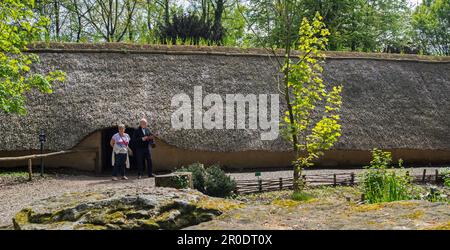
x=180, y=181
x=198, y=175
x=446, y=176
x=382, y=184
x=217, y=183
x=435, y=195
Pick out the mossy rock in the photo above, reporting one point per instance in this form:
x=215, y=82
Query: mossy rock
x=160, y=208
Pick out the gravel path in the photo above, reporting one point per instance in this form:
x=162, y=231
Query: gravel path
x=15, y=197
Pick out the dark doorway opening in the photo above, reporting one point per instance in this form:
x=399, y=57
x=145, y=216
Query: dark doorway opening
x=107, y=149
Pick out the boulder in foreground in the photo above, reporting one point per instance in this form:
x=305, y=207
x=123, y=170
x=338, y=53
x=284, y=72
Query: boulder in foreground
x=129, y=208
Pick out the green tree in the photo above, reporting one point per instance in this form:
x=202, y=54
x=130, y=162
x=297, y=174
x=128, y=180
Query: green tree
x=431, y=24
x=312, y=119
x=18, y=27
x=356, y=25
x=267, y=21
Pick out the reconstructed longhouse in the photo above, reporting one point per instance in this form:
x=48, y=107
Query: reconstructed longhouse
x=399, y=103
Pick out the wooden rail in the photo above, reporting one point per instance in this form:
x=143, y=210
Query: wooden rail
x=333, y=179
x=29, y=158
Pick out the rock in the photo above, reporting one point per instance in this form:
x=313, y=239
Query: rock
x=129, y=208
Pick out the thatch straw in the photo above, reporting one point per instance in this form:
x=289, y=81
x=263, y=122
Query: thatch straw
x=387, y=103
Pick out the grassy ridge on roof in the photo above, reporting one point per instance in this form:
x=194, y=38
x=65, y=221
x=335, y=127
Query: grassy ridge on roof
x=154, y=48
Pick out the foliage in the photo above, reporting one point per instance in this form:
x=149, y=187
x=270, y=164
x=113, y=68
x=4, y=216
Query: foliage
x=431, y=23
x=356, y=25
x=311, y=122
x=381, y=183
x=446, y=176
x=190, y=30
x=435, y=195
x=217, y=183
x=391, y=26
x=211, y=181
x=18, y=27
x=180, y=181
x=198, y=175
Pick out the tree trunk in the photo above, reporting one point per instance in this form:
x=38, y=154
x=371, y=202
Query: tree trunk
x=287, y=49
x=166, y=13
x=57, y=23
x=217, y=26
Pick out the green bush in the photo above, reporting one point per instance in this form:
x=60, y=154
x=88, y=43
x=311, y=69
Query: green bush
x=198, y=175
x=381, y=183
x=436, y=195
x=217, y=183
x=211, y=181
x=180, y=181
x=446, y=175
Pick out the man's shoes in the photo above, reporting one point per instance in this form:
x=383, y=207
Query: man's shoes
x=150, y=175
x=139, y=176
x=124, y=178
x=115, y=178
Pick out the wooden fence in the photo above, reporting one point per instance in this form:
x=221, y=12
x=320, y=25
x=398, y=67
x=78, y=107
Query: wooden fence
x=333, y=179
x=29, y=158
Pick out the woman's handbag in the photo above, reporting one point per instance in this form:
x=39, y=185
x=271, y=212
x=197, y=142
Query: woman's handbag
x=129, y=151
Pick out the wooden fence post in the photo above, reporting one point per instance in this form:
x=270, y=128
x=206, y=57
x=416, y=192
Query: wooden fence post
x=352, y=179
x=260, y=185
x=30, y=169
x=424, y=175
x=334, y=180
x=437, y=175
x=281, y=183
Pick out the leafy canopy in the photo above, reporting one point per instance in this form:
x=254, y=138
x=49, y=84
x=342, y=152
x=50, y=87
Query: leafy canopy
x=18, y=27
x=315, y=107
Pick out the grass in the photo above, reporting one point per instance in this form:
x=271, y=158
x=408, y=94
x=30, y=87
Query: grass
x=13, y=174
x=226, y=49
x=302, y=196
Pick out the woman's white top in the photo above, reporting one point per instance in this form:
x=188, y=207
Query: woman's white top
x=121, y=143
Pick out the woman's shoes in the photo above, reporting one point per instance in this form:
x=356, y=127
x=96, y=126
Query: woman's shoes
x=116, y=179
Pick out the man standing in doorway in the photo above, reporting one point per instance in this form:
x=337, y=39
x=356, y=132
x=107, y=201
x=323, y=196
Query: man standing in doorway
x=143, y=139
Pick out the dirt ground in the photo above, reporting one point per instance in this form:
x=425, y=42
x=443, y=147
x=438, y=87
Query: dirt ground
x=330, y=209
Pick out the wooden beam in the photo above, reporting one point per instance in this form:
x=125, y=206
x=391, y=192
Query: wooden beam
x=35, y=156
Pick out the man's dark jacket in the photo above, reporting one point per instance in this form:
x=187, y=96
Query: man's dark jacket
x=137, y=138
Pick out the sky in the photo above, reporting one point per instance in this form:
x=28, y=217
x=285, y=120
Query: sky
x=414, y=2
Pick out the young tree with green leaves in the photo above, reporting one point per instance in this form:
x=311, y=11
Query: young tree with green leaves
x=311, y=122
x=312, y=118
x=18, y=27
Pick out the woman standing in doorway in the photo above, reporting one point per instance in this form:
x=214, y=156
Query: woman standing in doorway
x=119, y=142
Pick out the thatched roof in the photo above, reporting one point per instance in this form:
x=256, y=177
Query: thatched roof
x=389, y=101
